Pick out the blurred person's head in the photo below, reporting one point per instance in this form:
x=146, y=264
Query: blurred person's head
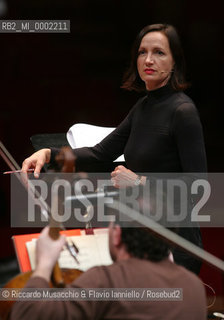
x=127, y=238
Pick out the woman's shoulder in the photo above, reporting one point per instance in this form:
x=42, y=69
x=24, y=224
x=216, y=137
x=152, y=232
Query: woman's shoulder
x=140, y=101
x=183, y=104
x=138, y=105
x=184, y=110
x=180, y=98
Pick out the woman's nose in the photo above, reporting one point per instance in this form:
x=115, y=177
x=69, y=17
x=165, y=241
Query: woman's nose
x=149, y=59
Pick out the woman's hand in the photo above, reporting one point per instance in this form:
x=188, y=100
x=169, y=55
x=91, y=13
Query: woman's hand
x=47, y=253
x=122, y=177
x=36, y=161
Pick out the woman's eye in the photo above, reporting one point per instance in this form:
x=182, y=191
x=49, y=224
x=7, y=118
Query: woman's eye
x=141, y=52
x=159, y=52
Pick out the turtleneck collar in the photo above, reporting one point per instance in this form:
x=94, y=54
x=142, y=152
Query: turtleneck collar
x=160, y=92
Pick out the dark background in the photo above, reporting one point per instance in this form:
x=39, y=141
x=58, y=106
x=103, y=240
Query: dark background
x=48, y=82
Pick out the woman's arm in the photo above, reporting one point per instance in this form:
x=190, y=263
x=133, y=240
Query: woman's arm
x=106, y=151
x=188, y=135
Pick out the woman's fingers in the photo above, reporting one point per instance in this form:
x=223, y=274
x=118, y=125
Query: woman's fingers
x=27, y=164
x=122, y=177
x=39, y=166
x=36, y=161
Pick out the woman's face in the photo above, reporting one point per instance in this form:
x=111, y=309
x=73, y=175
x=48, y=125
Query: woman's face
x=155, y=61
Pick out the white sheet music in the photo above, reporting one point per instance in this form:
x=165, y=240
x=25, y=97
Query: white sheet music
x=93, y=251
x=87, y=135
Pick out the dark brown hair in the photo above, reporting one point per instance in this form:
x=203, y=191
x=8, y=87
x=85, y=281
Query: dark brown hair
x=132, y=80
x=141, y=242
x=144, y=244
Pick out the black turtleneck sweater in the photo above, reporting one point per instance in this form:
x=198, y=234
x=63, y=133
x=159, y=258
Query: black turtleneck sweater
x=161, y=133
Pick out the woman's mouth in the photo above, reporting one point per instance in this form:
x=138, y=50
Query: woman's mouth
x=149, y=71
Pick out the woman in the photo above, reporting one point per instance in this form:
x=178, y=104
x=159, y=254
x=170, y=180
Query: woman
x=161, y=133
